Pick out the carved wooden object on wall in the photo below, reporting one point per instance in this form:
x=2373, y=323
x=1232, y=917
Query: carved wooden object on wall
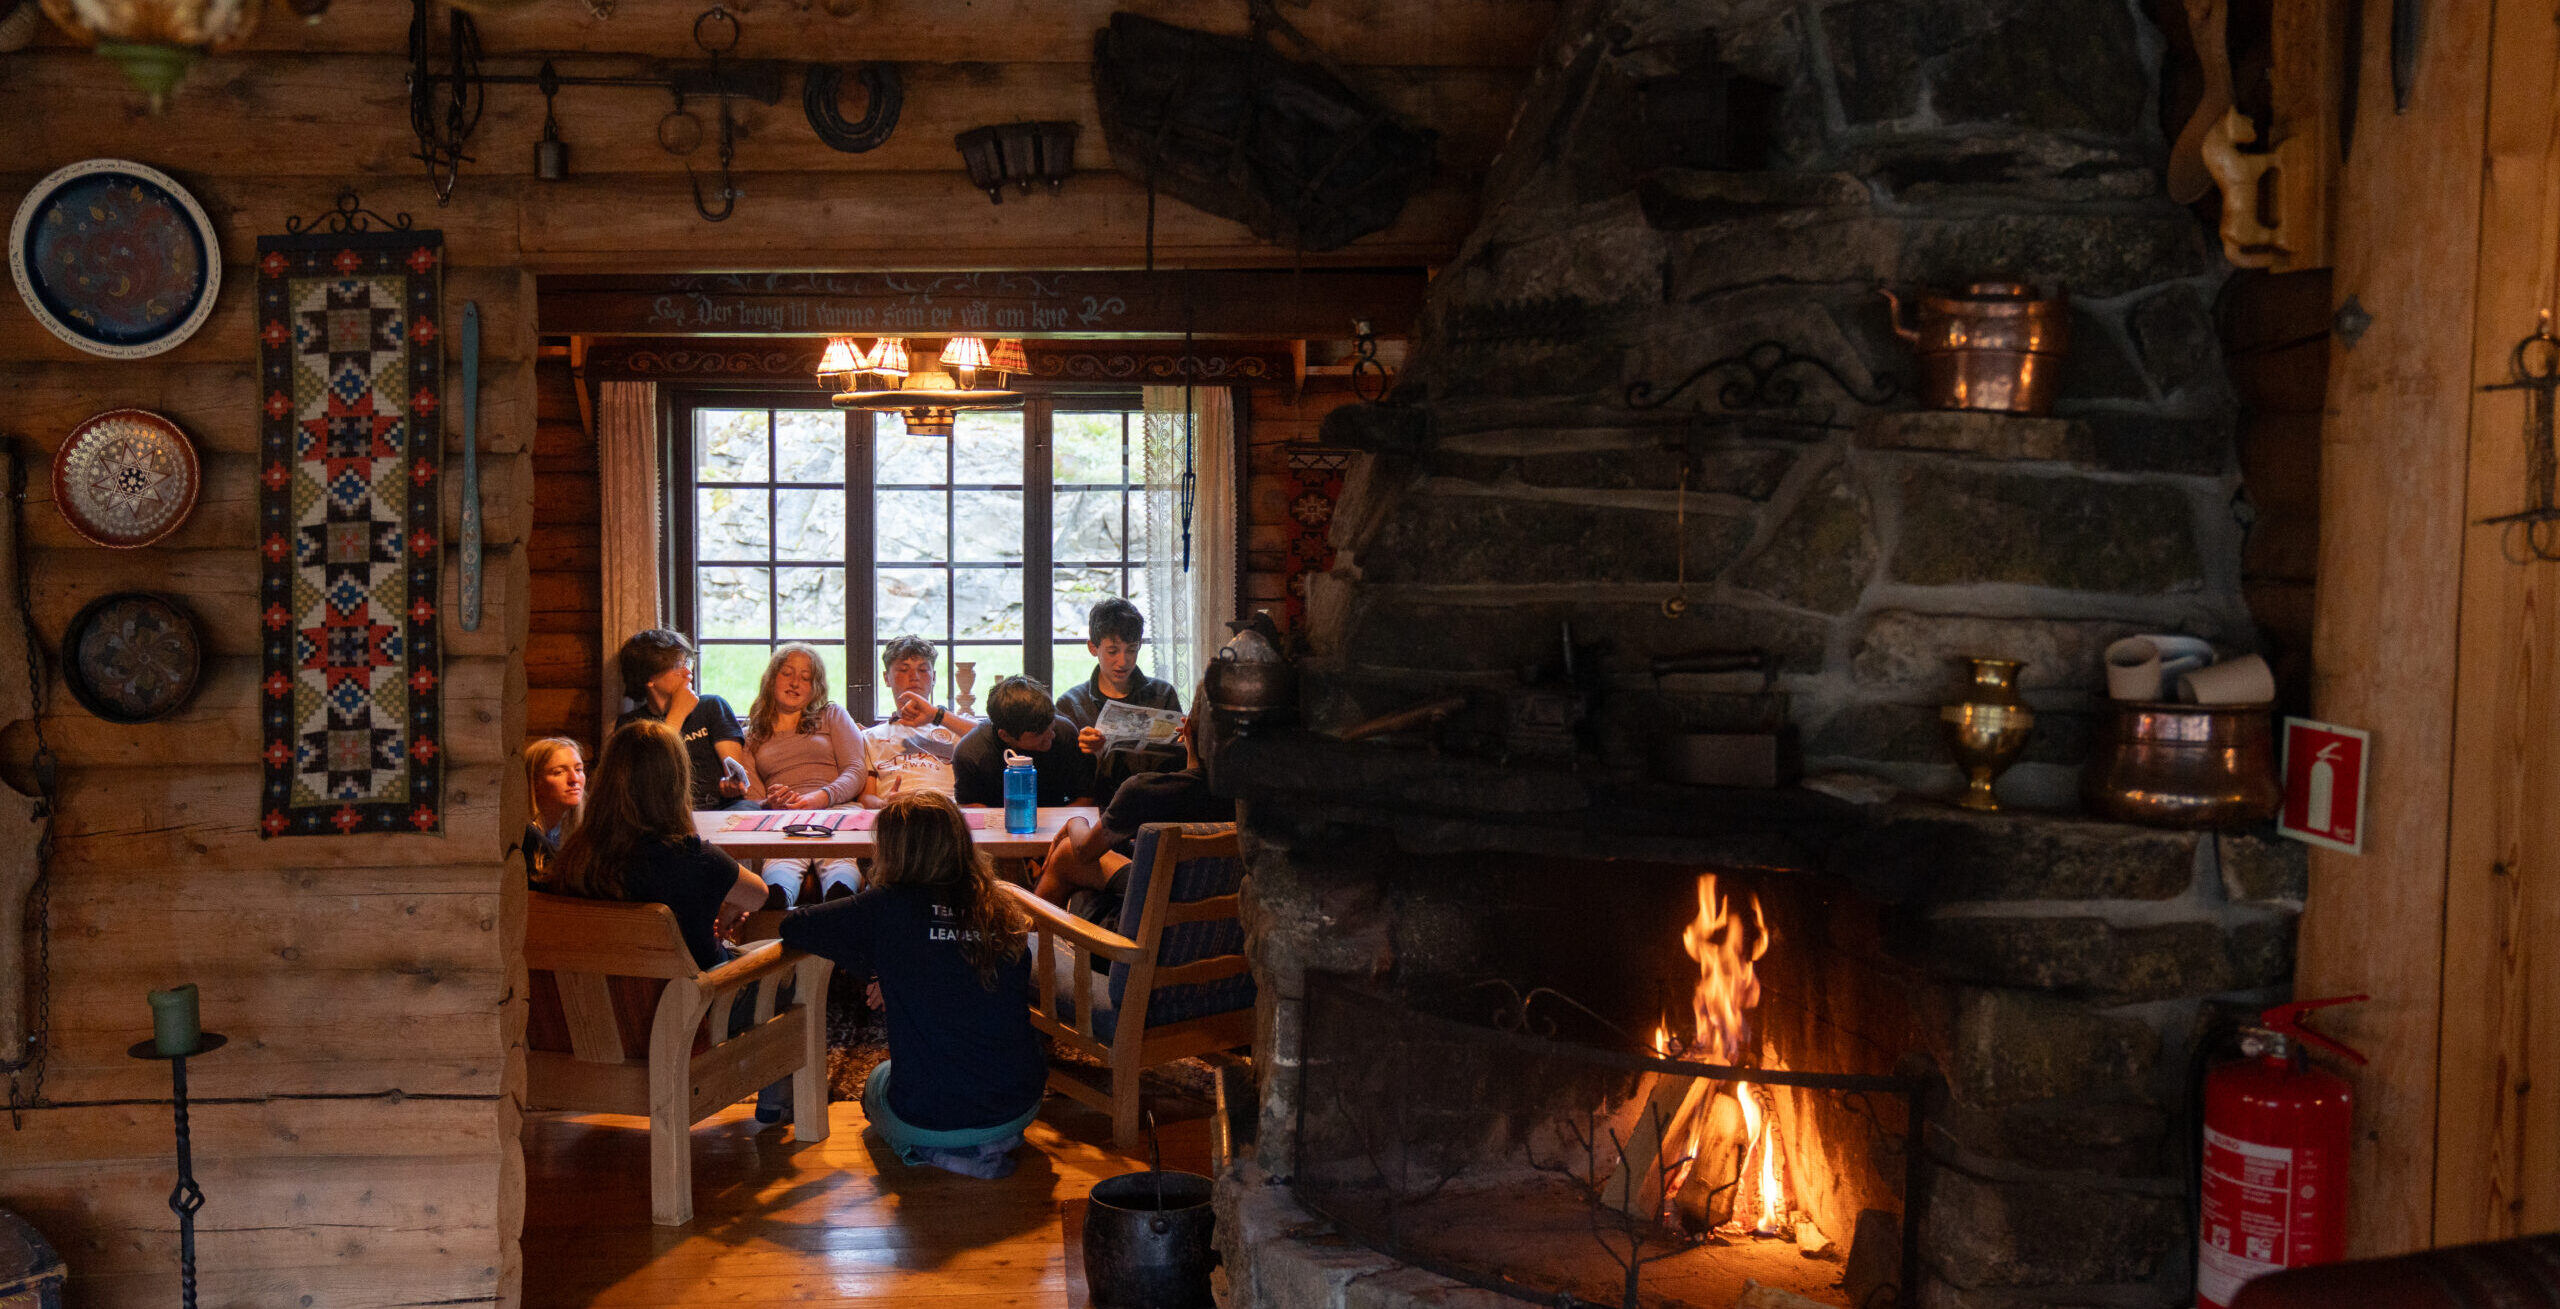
x=18, y=865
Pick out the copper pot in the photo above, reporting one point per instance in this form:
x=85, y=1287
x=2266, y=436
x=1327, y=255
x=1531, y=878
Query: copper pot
x=2183, y=765
x=1994, y=347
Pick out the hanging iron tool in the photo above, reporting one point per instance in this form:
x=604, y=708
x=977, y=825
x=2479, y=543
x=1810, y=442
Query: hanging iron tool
x=444, y=126
x=727, y=192
x=884, y=94
x=2404, y=53
x=2534, y=366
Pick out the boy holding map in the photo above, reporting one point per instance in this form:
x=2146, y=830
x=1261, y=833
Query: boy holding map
x=1123, y=717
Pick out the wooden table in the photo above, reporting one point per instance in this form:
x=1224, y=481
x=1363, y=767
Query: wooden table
x=992, y=838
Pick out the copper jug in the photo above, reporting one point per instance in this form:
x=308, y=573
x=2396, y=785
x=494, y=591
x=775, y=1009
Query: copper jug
x=1994, y=347
x=2183, y=765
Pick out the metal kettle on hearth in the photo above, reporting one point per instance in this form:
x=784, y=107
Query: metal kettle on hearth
x=1251, y=679
x=1995, y=347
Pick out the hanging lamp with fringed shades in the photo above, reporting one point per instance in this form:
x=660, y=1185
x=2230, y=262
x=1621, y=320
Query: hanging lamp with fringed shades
x=930, y=400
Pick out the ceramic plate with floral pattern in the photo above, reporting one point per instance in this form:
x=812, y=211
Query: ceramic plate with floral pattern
x=126, y=478
x=115, y=257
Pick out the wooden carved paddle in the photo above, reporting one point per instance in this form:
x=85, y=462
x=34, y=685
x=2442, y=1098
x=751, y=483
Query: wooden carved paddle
x=2188, y=180
x=471, y=465
x=19, y=861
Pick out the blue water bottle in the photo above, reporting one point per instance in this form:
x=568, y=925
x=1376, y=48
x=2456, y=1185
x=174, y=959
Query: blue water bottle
x=1021, y=795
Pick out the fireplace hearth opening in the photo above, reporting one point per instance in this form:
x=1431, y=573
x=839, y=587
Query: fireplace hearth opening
x=1506, y=1132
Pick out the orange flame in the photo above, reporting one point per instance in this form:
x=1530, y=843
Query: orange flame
x=1727, y=982
x=1728, y=951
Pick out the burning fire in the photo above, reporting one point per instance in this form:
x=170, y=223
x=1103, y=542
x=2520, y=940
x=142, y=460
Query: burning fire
x=1727, y=950
x=1727, y=981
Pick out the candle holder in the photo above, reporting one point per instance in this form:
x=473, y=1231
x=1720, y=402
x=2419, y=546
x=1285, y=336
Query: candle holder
x=187, y=1197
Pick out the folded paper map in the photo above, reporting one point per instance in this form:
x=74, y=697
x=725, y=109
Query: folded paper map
x=1125, y=726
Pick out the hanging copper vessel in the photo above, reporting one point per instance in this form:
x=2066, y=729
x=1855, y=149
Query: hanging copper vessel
x=1996, y=347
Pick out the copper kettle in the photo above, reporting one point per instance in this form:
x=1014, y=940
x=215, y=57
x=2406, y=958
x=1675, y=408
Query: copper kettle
x=1994, y=347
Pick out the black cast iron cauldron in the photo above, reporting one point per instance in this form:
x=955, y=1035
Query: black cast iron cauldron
x=1146, y=1241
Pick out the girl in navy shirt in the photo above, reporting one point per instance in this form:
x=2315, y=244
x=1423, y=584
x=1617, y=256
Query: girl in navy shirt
x=950, y=952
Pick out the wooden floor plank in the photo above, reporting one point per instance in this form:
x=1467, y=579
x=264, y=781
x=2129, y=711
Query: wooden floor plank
x=781, y=1223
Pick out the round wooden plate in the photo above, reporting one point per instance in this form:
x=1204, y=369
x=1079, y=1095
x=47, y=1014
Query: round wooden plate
x=126, y=478
x=115, y=257
x=132, y=657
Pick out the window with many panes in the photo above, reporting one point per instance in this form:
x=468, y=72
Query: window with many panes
x=797, y=522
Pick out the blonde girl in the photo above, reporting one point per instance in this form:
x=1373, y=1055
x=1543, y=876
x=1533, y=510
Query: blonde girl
x=555, y=775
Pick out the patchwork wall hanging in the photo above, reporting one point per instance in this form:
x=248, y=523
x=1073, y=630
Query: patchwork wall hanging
x=350, y=330
x=1315, y=486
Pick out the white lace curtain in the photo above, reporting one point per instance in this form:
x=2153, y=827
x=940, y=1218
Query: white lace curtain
x=627, y=462
x=1187, y=608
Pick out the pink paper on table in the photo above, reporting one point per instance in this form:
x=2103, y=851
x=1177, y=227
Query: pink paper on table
x=841, y=820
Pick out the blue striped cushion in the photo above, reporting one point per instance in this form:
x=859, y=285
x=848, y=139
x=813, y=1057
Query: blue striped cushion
x=1184, y=943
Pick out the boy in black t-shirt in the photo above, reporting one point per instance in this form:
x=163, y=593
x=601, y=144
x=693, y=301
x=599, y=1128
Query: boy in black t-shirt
x=1094, y=856
x=1117, y=631
x=1021, y=718
x=657, y=673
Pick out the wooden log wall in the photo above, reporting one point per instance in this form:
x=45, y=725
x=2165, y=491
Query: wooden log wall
x=353, y=1138
x=357, y=1140
x=2432, y=634
x=565, y=648
x=2275, y=335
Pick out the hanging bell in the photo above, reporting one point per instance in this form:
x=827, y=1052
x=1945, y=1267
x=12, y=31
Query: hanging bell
x=550, y=154
x=551, y=157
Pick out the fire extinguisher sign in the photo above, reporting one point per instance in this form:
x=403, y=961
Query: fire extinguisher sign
x=2324, y=772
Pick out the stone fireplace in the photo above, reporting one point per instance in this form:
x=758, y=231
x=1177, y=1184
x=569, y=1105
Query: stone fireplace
x=1587, y=429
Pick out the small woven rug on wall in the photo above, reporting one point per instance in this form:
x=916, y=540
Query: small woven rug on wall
x=351, y=395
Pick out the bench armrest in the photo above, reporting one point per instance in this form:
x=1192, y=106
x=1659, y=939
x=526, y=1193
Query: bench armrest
x=762, y=960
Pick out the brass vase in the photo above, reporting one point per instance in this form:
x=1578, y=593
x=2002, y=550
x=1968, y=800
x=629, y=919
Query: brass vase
x=1988, y=728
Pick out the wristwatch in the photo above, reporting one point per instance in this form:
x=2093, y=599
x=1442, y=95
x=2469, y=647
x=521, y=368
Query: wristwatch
x=937, y=715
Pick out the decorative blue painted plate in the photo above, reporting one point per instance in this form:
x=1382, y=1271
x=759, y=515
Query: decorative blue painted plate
x=115, y=257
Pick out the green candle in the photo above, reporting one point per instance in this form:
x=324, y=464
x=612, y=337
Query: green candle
x=176, y=1028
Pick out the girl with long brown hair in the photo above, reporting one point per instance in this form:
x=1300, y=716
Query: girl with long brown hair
x=635, y=841
x=949, y=948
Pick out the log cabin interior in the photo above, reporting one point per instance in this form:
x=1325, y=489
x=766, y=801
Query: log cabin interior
x=1863, y=604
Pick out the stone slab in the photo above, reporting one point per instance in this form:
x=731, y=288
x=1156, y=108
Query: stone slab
x=1978, y=435
x=1473, y=540
x=1908, y=651
x=1963, y=526
x=1982, y=1233
x=2262, y=868
x=2011, y=1047
x=1938, y=853
x=1822, y=555
x=2115, y=965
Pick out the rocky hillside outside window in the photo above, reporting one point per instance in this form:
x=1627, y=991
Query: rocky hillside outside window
x=792, y=521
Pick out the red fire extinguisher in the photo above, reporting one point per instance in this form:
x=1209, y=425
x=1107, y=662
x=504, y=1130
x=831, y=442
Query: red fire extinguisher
x=2276, y=1134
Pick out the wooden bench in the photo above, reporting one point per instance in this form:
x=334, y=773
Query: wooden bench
x=622, y=1021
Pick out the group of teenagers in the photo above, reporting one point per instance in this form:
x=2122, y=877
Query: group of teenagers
x=924, y=920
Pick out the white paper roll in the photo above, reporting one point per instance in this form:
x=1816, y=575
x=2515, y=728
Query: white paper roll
x=2245, y=680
